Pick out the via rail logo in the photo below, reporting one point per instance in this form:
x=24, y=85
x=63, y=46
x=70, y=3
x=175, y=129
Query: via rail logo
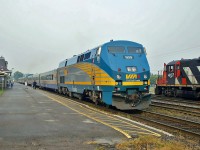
x=131, y=76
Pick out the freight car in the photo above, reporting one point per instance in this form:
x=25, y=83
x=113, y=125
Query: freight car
x=115, y=73
x=180, y=78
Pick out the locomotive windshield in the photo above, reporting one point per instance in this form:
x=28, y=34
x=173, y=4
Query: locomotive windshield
x=135, y=50
x=116, y=49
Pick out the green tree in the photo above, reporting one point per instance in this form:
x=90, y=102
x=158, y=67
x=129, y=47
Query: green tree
x=153, y=78
x=18, y=75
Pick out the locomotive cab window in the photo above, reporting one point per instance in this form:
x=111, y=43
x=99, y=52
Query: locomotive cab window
x=171, y=68
x=177, y=67
x=116, y=49
x=135, y=50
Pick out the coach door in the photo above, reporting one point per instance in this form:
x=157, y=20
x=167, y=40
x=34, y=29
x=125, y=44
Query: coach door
x=96, y=59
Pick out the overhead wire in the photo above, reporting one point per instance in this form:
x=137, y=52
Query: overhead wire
x=176, y=51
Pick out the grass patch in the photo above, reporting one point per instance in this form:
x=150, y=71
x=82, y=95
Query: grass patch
x=151, y=143
x=1, y=92
x=152, y=90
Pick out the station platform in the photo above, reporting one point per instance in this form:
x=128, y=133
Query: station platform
x=35, y=119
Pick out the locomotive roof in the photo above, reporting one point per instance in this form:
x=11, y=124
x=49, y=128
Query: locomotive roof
x=115, y=43
x=183, y=60
x=122, y=42
x=173, y=62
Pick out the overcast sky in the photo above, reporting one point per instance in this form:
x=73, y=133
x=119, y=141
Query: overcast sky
x=35, y=35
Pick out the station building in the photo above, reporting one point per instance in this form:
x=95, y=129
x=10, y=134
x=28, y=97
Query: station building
x=4, y=73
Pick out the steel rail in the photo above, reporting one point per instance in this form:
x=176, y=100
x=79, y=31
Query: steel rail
x=181, y=109
x=180, y=126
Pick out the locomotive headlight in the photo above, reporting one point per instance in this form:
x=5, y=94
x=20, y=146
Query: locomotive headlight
x=131, y=69
x=134, y=69
x=128, y=69
x=118, y=76
x=145, y=76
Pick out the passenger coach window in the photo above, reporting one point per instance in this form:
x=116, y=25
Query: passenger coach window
x=65, y=63
x=62, y=79
x=87, y=55
x=116, y=49
x=135, y=50
x=80, y=58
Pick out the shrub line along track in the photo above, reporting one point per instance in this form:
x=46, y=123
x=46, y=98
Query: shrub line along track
x=186, y=126
x=125, y=126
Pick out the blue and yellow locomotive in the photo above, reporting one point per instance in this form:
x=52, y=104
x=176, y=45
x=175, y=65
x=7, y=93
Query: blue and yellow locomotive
x=116, y=73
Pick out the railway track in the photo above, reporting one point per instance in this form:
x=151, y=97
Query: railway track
x=165, y=122
x=179, y=108
x=182, y=125
x=191, y=108
x=127, y=127
x=195, y=103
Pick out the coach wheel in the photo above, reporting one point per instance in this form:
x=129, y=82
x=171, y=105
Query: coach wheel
x=198, y=95
x=157, y=91
x=70, y=94
x=60, y=90
x=166, y=93
x=107, y=106
x=175, y=93
x=96, y=102
x=64, y=91
x=80, y=97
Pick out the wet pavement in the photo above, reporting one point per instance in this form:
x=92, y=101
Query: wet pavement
x=30, y=120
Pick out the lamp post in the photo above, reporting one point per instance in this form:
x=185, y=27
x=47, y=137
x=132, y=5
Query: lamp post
x=2, y=79
x=12, y=76
x=2, y=83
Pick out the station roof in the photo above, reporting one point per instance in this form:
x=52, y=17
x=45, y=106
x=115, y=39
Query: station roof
x=3, y=66
x=2, y=73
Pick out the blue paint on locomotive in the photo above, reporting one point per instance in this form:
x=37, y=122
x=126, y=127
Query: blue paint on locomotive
x=112, y=62
x=122, y=70
x=115, y=64
x=113, y=58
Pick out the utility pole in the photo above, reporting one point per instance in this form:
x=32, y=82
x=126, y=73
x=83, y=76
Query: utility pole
x=2, y=81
